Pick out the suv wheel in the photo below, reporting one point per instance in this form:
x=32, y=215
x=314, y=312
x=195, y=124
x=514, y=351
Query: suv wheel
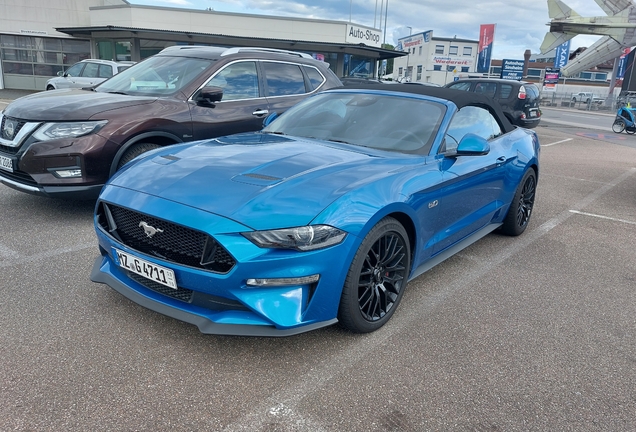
x=134, y=151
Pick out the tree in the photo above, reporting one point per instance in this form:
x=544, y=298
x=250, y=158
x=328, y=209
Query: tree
x=389, y=62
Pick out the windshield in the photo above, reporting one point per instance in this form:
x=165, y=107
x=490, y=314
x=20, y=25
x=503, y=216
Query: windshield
x=156, y=76
x=396, y=123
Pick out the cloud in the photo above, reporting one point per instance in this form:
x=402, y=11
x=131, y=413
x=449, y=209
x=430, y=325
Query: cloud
x=520, y=25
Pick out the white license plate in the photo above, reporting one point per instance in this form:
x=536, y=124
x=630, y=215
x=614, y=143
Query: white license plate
x=156, y=273
x=6, y=163
x=533, y=113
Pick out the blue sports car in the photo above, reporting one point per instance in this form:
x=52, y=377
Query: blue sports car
x=322, y=217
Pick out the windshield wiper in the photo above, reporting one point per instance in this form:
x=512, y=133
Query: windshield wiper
x=118, y=92
x=274, y=133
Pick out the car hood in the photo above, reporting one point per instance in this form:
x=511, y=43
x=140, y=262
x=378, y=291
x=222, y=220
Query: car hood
x=69, y=105
x=262, y=181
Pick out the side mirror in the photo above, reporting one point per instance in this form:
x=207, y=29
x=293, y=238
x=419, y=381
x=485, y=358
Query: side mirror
x=208, y=96
x=270, y=118
x=60, y=73
x=472, y=145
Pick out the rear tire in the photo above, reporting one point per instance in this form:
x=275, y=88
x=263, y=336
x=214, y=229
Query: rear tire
x=376, y=279
x=618, y=126
x=520, y=210
x=134, y=151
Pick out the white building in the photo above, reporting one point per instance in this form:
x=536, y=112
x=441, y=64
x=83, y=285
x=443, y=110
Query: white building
x=434, y=60
x=39, y=38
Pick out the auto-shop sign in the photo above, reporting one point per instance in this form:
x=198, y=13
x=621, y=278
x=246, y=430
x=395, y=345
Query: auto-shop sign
x=356, y=35
x=512, y=69
x=451, y=60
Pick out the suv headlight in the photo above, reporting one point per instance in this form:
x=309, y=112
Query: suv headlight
x=305, y=238
x=49, y=131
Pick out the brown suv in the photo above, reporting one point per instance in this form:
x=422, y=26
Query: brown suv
x=67, y=143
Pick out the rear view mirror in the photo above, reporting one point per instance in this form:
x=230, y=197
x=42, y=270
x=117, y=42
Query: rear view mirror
x=472, y=145
x=270, y=118
x=208, y=96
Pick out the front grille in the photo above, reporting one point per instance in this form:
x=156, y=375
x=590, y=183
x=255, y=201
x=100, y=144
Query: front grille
x=168, y=241
x=18, y=125
x=182, y=294
x=19, y=177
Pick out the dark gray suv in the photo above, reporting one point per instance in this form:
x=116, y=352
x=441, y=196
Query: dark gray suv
x=519, y=100
x=67, y=143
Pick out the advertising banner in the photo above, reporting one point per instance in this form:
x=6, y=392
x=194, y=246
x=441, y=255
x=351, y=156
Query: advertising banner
x=416, y=40
x=622, y=64
x=551, y=79
x=512, y=69
x=562, y=55
x=486, y=39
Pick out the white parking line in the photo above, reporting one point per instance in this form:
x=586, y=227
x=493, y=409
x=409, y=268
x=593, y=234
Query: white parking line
x=558, y=142
x=8, y=253
x=603, y=217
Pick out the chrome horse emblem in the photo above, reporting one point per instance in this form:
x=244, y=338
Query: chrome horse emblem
x=149, y=229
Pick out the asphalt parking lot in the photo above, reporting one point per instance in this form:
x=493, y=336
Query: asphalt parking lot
x=530, y=333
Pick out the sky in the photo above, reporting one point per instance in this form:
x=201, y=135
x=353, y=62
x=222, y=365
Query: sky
x=520, y=25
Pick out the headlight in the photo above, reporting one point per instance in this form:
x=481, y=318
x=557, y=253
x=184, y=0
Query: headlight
x=49, y=131
x=304, y=238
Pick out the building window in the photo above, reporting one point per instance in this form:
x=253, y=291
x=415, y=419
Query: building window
x=439, y=49
x=400, y=71
x=450, y=68
x=465, y=68
x=468, y=51
x=437, y=67
x=534, y=72
x=419, y=72
x=600, y=77
x=453, y=50
x=585, y=75
x=420, y=50
x=40, y=58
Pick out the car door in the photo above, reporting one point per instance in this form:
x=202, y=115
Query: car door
x=242, y=108
x=73, y=73
x=284, y=85
x=472, y=185
x=88, y=77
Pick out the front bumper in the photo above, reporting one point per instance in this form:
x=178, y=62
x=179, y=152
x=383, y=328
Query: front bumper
x=64, y=192
x=101, y=273
x=223, y=303
x=36, y=165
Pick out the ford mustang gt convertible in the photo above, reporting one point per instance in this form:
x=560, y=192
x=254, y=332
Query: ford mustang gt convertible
x=322, y=217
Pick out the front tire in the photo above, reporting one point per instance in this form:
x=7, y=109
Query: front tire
x=134, y=151
x=520, y=210
x=376, y=279
x=50, y=87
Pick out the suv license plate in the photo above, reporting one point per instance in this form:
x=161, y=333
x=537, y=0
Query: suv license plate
x=6, y=163
x=150, y=271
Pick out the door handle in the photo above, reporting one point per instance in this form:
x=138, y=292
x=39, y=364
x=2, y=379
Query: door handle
x=500, y=160
x=260, y=112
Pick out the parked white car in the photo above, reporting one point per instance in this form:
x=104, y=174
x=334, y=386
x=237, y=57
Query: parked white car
x=586, y=97
x=87, y=73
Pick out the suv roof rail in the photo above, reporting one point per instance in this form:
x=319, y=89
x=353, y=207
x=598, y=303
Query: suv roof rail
x=182, y=47
x=235, y=50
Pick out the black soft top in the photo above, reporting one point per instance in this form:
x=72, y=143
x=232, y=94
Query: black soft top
x=460, y=98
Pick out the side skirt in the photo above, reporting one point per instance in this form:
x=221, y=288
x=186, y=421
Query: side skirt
x=426, y=266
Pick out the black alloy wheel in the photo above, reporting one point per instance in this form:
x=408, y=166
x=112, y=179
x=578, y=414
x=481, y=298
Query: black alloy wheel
x=377, y=278
x=518, y=216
